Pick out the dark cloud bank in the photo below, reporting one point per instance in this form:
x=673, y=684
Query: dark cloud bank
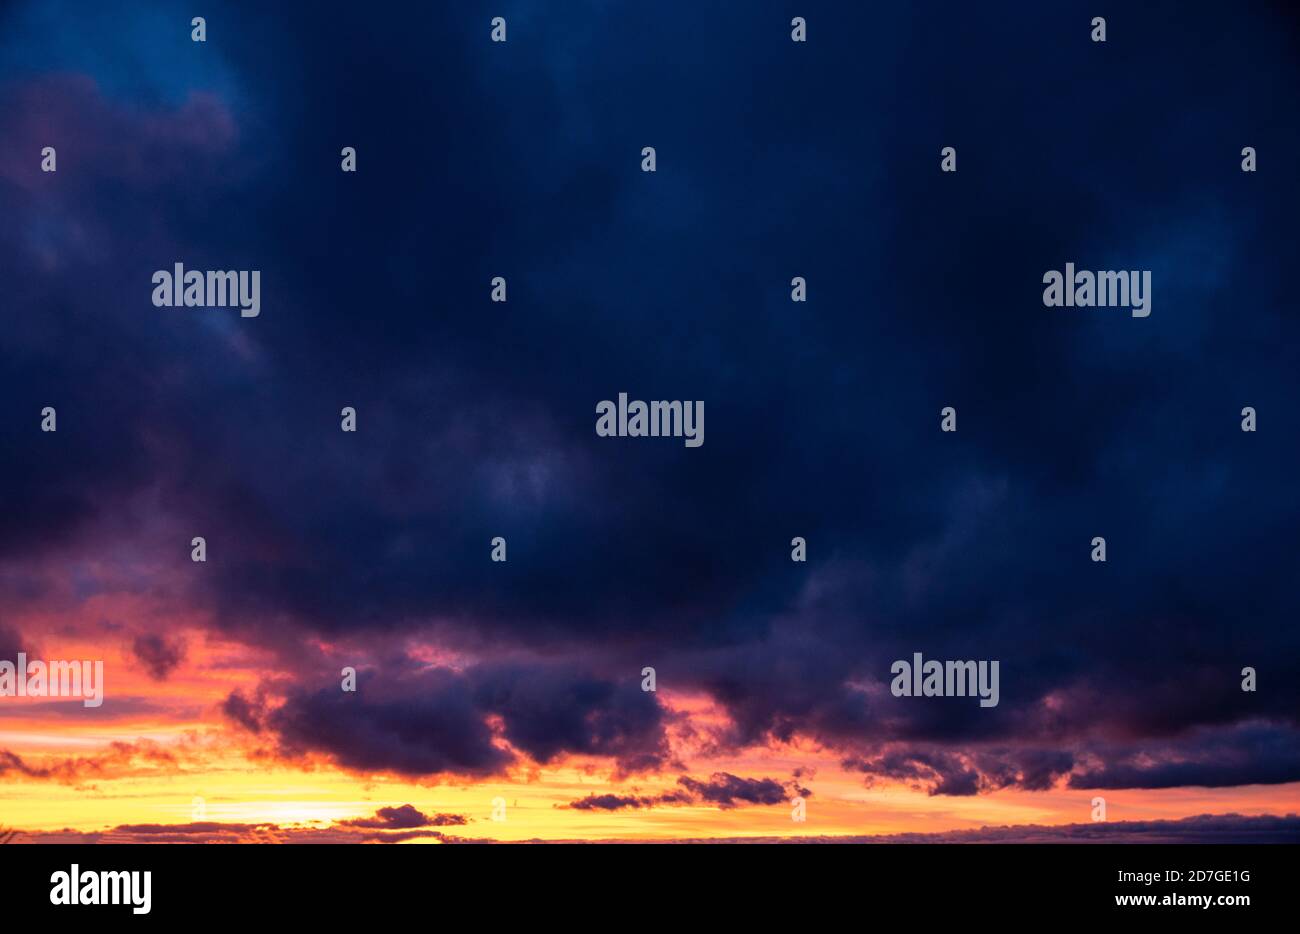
x=476, y=420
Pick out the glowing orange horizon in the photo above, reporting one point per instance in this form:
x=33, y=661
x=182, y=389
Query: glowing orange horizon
x=170, y=757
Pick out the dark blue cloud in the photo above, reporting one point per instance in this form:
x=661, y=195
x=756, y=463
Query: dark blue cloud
x=426, y=722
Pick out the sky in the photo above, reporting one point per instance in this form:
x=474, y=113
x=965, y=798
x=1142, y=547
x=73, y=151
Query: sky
x=504, y=700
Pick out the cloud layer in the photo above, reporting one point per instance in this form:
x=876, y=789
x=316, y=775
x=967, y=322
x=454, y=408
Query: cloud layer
x=329, y=549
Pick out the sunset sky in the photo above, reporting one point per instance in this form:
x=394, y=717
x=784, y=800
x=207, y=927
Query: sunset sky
x=521, y=681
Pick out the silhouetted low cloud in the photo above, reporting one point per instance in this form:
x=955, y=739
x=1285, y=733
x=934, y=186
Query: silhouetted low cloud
x=405, y=818
x=1205, y=828
x=721, y=789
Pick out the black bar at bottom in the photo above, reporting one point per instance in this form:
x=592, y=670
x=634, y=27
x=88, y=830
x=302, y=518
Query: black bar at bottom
x=592, y=884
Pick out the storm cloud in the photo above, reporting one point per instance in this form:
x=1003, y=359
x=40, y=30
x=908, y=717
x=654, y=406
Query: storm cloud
x=476, y=420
